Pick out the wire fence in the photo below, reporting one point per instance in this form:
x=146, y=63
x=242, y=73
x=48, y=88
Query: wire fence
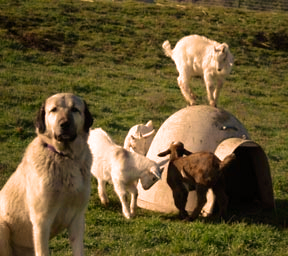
x=262, y=5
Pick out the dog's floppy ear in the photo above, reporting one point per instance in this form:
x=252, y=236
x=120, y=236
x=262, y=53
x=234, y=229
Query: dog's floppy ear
x=88, y=118
x=40, y=120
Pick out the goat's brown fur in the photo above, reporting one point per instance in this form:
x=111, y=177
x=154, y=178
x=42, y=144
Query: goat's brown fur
x=197, y=171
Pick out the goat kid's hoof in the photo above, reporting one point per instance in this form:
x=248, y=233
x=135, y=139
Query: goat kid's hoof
x=190, y=104
x=187, y=219
x=206, y=214
x=127, y=215
x=105, y=204
x=213, y=104
x=184, y=217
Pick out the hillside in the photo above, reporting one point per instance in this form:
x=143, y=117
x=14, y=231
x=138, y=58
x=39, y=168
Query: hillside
x=110, y=54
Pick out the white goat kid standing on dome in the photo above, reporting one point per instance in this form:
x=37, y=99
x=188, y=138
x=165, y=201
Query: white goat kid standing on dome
x=124, y=168
x=196, y=55
x=139, y=138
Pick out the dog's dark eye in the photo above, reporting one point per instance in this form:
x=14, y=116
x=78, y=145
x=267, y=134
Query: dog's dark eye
x=75, y=110
x=53, y=109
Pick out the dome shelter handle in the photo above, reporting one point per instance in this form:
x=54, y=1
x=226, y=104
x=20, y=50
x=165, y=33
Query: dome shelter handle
x=225, y=128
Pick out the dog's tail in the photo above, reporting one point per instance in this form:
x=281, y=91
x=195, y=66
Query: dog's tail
x=227, y=161
x=167, y=48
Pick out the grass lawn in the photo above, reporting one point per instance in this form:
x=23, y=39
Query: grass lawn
x=109, y=53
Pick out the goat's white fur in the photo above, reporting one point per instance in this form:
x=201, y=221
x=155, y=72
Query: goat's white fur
x=124, y=168
x=139, y=138
x=196, y=55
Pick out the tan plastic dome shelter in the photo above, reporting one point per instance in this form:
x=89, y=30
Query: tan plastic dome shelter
x=204, y=128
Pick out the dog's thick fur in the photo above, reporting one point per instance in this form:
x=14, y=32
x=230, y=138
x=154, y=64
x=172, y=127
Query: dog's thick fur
x=50, y=189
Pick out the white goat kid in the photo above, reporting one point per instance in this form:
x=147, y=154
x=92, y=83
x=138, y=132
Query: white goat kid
x=198, y=56
x=114, y=163
x=139, y=138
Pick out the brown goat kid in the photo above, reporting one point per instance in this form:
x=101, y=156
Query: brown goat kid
x=196, y=171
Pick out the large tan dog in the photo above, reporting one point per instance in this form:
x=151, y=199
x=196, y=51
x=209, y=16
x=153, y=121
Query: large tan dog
x=50, y=189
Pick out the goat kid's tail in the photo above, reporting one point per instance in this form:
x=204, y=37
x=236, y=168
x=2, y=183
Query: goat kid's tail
x=167, y=48
x=227, y=161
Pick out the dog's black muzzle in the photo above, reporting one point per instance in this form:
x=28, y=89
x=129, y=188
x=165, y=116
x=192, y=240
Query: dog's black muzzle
x=66, y=131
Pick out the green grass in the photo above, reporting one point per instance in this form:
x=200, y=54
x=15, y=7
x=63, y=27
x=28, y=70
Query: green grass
x=110, y=54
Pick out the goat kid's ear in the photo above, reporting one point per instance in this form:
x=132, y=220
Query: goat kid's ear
x=149, y=124
x=88, y=118
x=225, y=47
x=40, y=120
x=221, y=48
x=149, y=134
x=164, y=153
x=187, y=152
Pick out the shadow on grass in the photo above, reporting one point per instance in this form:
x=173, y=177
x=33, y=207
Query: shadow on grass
x=250, y=214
